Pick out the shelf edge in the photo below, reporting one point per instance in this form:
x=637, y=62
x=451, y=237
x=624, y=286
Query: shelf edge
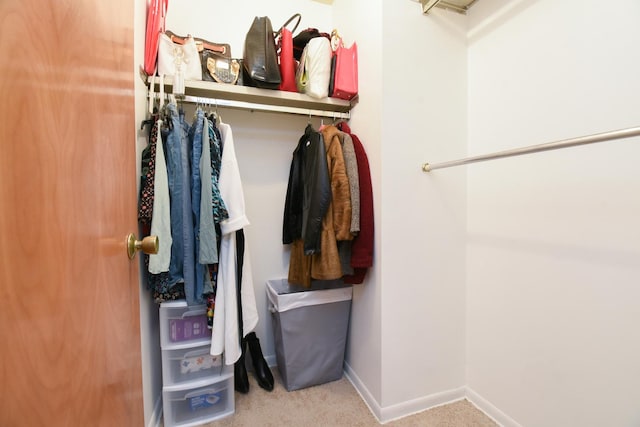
x=254, y=95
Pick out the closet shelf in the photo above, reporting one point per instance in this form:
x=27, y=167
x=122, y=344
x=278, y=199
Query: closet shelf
x=251, y=98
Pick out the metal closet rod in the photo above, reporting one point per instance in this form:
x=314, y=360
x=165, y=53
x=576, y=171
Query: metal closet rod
x=261, y=107
x=565, y=143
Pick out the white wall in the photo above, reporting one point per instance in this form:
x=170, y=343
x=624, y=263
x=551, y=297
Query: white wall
x=423, y=216
x=364, y=346
x=553, y=268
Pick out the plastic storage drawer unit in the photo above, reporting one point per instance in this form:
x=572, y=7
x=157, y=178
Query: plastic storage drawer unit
x=201, y=404
x=310, y=330
x=183, y=326
x=188, y=364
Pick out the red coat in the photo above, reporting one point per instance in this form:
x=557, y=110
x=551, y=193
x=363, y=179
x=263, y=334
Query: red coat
x=362, y=245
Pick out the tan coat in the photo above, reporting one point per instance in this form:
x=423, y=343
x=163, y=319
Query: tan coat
x=335, y=224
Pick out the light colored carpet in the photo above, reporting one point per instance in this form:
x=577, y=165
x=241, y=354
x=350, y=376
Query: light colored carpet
x=334, y=404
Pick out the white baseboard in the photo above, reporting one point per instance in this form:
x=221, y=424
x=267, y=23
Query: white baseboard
x=410, y=407
x=489, y=409
x=363, y=391
x=156, y=415
x=404, y=409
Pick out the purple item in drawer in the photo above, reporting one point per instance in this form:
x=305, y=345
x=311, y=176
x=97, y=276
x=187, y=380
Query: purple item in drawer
x=191, y=328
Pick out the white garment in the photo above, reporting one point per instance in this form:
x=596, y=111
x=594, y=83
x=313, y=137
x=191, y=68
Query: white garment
x=161, y=216
x=225, y=337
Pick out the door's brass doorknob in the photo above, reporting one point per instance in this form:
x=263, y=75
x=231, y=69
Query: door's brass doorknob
x=148, y=245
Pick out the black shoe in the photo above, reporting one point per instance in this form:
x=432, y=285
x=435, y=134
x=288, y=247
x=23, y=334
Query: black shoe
x=240, y=377
x=260, y=366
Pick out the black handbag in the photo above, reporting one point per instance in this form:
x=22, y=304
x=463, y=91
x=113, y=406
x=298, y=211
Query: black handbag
x=260, y=58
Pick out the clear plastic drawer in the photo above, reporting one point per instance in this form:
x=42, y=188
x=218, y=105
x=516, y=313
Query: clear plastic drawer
x=189, y=364
x=182, y=325
x=199, y=405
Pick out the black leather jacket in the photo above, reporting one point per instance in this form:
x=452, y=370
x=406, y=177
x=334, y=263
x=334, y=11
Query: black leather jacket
x=308, y=192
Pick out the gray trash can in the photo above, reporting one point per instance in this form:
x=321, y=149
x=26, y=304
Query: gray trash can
x=310, y=330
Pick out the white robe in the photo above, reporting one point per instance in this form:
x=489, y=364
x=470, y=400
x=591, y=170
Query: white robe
x=225, y=335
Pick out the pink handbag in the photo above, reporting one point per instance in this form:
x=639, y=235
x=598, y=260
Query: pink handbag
x=156, y=15
x=345, y=80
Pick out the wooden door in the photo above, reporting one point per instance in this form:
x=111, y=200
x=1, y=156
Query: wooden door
x=69, y=304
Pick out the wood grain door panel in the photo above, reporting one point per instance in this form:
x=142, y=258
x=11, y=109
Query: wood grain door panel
x=70, y=338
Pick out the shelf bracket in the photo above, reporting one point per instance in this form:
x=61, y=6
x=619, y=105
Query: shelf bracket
x=457, y=6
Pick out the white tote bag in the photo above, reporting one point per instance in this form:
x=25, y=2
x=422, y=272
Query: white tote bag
x=314, y=72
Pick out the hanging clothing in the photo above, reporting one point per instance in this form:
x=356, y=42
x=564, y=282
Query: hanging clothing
x=308, y=192
x=148, y=169
x=336, y=224
x=195, y=203
x=161, y=217
x=195, y=138
x=230, y=184
x=152, y=209
x=182, y=265
x=340, y=188
x=362, y=245
x=225, y=332
x=351, y=163
x=351, y=167
x=219, y=208
x=208, y=245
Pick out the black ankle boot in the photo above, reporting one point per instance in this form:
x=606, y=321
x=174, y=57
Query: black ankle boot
x=240, y=378
x=260, y=367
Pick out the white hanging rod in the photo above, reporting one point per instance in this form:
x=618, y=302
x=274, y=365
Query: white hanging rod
x=565, y=143
x=261, y=107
